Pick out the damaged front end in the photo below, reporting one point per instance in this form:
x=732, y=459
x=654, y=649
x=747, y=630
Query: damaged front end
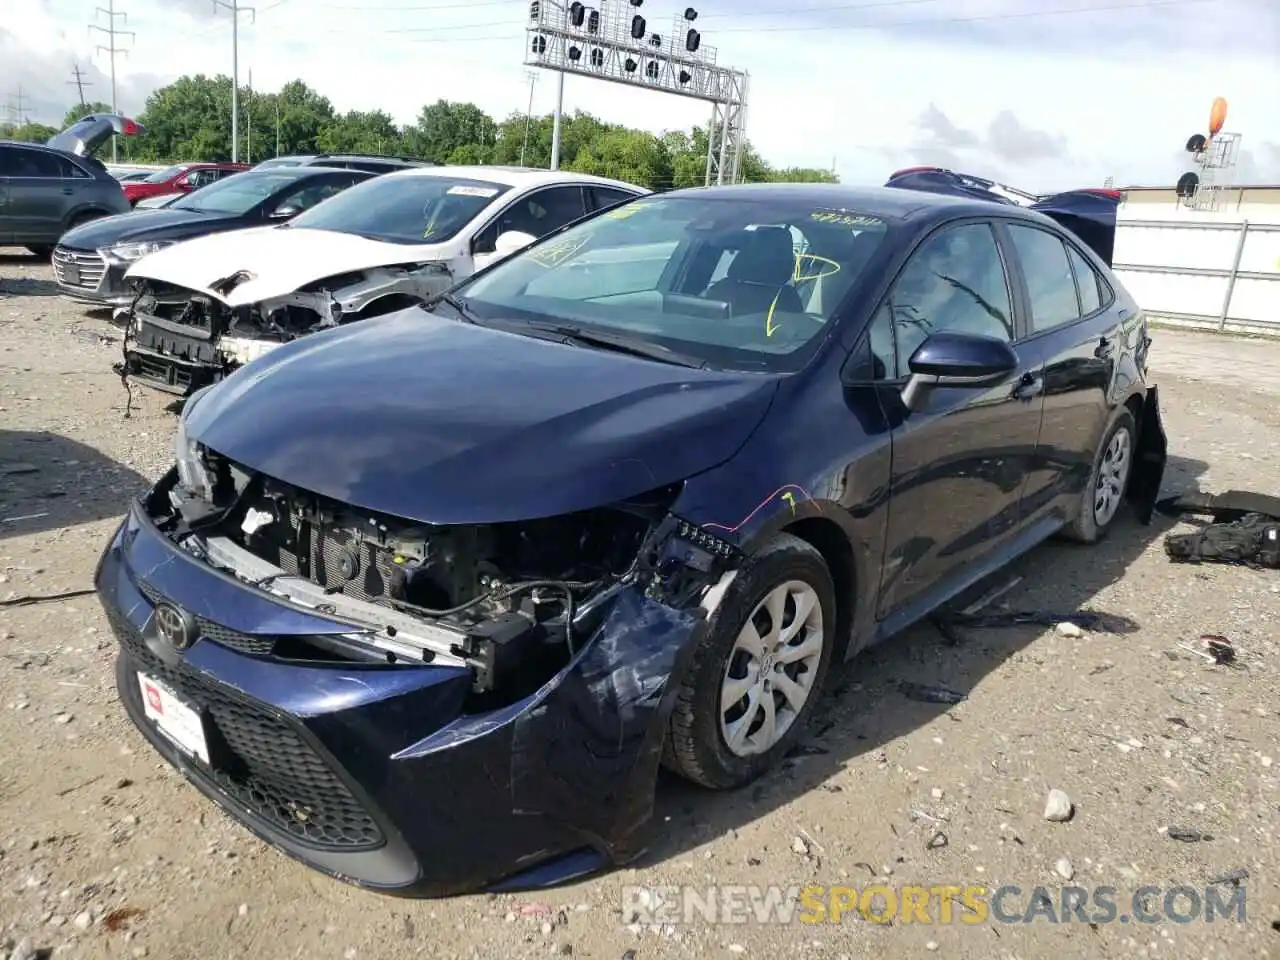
x=420, y=709
x=179, y=340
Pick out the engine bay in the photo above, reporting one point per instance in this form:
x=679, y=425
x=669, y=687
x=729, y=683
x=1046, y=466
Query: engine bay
x=508, y=600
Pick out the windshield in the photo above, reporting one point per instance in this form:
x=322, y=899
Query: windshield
x=164, y=176
x=236, y=195
x=398, y=208
x=739, y=284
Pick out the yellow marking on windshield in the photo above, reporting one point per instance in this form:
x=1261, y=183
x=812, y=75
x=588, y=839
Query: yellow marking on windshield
x=554, y=254
x=843, y=219
x=824, y=268
x=622, y=213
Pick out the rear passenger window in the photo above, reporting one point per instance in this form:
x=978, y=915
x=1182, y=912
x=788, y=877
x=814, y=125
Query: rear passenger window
x=1049, y=280
x=1086, y=282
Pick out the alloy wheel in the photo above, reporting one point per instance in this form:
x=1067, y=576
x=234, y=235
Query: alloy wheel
x=769, y=674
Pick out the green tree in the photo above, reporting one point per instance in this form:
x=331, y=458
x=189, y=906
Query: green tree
x=83, y=110
x=804, y=175
x=443, y=127
x=360, y=132
x=631, y=155
x=27, y=132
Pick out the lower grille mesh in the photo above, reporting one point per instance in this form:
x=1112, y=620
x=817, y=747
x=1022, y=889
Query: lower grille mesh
x=259, y=760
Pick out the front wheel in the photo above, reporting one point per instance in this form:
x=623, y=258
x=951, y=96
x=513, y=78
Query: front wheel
x=760, y=668
x=1105, y=492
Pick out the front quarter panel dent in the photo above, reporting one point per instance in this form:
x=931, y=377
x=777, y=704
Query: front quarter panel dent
x=585, y=747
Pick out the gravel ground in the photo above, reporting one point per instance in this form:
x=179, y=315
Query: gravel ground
x=105, y=852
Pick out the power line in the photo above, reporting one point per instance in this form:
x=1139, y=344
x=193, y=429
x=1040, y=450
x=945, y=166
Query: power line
x=236, y=10
x=79, y=81
x=112, y=32
x=830, y=27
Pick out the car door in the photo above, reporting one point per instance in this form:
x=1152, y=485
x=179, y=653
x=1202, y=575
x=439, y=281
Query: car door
x=958, y=464
x=1077, y=331
x=39, y=195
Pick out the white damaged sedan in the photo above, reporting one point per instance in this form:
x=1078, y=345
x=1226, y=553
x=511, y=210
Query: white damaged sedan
x=209, y=305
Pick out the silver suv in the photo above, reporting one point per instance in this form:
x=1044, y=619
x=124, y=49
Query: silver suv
x=47, y=189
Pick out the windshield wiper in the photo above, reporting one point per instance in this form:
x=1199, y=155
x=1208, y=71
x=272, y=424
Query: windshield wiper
x=619, y=342
x=464, y=312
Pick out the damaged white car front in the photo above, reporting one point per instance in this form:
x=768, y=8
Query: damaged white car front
x=208, y=306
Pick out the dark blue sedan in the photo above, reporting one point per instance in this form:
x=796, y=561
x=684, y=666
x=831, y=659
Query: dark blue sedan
x=427, y=599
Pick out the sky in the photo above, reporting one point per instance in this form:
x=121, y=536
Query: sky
x=1040, y=94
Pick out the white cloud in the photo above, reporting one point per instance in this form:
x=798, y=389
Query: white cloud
x=1049, y=101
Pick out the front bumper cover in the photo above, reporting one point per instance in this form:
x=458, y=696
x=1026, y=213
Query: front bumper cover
x=374, y=774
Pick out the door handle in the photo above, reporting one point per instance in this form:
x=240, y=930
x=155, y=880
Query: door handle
x=1104, y=348
x=1029, y=385
x=68, y=190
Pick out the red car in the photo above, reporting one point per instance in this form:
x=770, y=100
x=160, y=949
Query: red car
x=182, y=178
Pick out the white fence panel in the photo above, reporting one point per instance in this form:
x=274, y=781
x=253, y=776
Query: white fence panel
x=1219, y=275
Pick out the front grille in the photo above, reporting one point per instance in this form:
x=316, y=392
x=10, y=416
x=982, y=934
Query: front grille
x=88, y=264
x=255, y=645
x=258, y=759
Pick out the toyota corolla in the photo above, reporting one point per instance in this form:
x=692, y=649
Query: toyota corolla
x=426, y=600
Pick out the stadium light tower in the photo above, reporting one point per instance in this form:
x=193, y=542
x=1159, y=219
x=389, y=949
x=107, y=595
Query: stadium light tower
x=613, y=42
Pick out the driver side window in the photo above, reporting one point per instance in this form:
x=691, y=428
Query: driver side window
x=536, y=214
x=956, y=281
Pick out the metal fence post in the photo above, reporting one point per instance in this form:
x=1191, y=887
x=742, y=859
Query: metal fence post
x=1231, y=278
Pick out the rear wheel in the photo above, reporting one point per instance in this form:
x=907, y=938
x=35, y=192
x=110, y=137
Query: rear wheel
x=1104, y=494
x=759, y=670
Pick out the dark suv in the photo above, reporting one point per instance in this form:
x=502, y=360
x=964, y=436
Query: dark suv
x=47, y=189
x=346, y=161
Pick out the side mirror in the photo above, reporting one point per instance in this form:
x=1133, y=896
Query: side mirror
x=956, y=360
x=506, y=244
x=511, y=241
x=285, y=212
x=191, y=179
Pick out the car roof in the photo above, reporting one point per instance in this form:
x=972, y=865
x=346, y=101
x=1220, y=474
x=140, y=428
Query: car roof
x=518, y=177
x=298, y=172
x=885, y=203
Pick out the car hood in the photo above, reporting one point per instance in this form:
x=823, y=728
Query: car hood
x=279, y=259
x=440, y=421
x=141, y=225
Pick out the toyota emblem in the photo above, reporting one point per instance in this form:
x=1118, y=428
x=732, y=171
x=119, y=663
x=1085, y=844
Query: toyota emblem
x=175, y=627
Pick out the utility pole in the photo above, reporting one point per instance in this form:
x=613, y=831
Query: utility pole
x=79, y=81
x=528, y=117
x=19, y=113
x=111, y=49
x=248, y=125
x=236, y=10
x=277, y=124
x=555, y=123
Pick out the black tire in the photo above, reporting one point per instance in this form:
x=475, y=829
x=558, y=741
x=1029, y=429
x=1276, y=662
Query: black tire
x=42, y=250
x=695, y=747
x=1086, y=527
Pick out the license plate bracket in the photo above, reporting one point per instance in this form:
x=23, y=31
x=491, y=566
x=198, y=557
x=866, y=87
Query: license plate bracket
x=179, y=722
x=71, y=274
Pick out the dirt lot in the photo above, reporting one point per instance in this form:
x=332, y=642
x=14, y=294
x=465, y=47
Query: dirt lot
x=104, y=852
